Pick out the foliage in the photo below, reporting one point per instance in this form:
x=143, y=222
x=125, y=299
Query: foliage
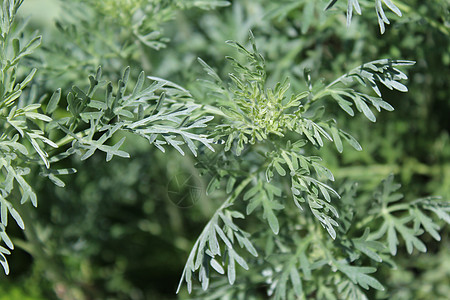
x=100, y=33
x=279, y=205
x=263, y=118
x=22, y=137
x=382, y=19
x=161, y=113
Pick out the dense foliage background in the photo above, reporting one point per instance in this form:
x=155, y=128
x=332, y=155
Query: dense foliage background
x=118, y=229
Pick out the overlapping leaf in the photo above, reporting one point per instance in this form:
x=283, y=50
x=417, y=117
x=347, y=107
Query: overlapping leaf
x=382, y=19
x=208, y=252
x=23, y=141
x=406, y=219
x=161, y=112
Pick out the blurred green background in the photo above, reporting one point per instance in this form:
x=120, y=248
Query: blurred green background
x=117, y=232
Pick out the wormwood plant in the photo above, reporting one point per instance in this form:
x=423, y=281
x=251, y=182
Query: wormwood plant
x=382, y=19
x=283, y=217
x=109, y=33
x=270, y=169
x=310, y=7
x=161, y=112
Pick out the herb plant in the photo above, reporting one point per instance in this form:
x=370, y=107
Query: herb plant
x=278, y=134
x=279, y=217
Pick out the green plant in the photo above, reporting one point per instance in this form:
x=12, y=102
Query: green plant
x=161, y=112
x=20, y=125
x=269, y=140
x=382, y=19
x=285, y=202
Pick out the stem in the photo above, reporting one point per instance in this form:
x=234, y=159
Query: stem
x=225, y=204
x=396, y=207
x=304, y=244
x=363, y=223
x=326, y=90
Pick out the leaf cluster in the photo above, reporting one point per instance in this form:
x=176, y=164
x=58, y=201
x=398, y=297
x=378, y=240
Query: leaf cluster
x=161, y=112
x=257, y=119
x=278, y=220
